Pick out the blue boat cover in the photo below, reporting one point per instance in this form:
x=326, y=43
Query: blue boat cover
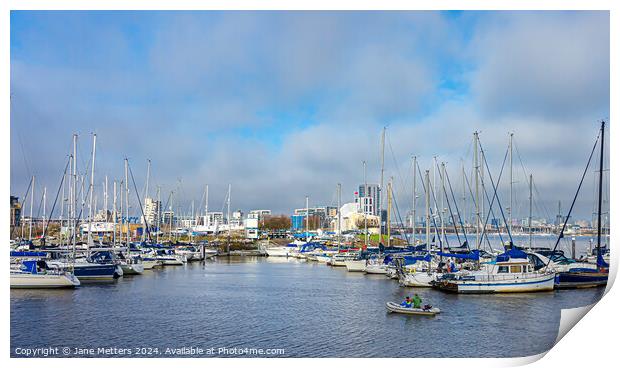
x=474, y=254
x=28, y=254
x=600, y=262
x=30, y=266
x=511, y=253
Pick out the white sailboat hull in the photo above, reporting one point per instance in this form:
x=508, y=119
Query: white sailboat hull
x=42, y=281
x=418, y=279
x=355, y=265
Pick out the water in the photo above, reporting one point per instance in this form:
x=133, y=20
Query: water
x=306, y=309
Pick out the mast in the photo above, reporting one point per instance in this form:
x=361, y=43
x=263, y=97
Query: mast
x=44, y=216
x=207, y=222
x=381, y=187
x=146, y=195
x=529, y=219
x=31, y=210
x=600, y=195
x=477, y=190
x=427, y=209
x=436, y=212
x=339, y=217
x=158, y=213
x=74, y=199
x=114, y=212
x=307, y=219
x=105, y=198
x=415, y=175
x=389, y=212
x=92, y=185
x=127, y=203
x=442, y=176
x=228, y=220
x=363, y=205
x=511, y=181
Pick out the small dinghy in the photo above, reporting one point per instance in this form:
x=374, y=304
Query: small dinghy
x=397, y=308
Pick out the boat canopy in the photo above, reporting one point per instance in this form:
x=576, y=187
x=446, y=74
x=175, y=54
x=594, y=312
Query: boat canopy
x=30, y=266
x=511, y=253
x=474, y=255
x=28, y=254
x=408, y=260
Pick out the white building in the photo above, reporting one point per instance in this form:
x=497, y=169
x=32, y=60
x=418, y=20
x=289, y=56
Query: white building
x=151, y=210
x=251, y=228
x=259, y=214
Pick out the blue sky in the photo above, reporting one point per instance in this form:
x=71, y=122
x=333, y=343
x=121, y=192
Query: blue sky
x=287, y=104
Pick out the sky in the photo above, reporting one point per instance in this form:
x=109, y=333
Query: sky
x=283, y=105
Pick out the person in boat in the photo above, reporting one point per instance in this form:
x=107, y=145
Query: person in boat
x=406, y=303
x=417, y=301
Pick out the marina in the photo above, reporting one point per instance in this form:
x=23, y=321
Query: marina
x=306, y=308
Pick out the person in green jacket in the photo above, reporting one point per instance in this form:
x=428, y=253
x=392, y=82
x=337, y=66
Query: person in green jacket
x=417, y=301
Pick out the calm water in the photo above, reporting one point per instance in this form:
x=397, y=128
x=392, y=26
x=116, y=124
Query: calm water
x=307, y=309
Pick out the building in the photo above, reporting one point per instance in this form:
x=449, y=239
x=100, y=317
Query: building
x=298, y=222
x=151, y=211
x=353, y=219
x=324, y=213
x=236, y=219
x=215, y=218
x=167, y=218
x=16, y=211
x=259, y=214
x=251, y=228
x=368, y=199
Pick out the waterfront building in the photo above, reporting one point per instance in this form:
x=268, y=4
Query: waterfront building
x=251, y=228
x=168, y=218
x=324, y=213
x=367, y=199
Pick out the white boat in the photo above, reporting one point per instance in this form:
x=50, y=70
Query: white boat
x=418, y=279
x=149, y=264
x=355, y=265
x=513, y=275
x=132, y=268
x=377, y=269
x=338, y=260
x=33, y=276
x=397, y=308
x=323, y=258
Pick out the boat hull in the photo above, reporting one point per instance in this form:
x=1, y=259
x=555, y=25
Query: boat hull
x=580, y=280
x=524, y=285
x=418, y=279
x=355, y=265
x=36, y=281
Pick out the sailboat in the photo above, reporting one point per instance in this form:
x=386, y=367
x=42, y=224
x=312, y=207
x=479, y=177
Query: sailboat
x=35, y=274
x=587, y=277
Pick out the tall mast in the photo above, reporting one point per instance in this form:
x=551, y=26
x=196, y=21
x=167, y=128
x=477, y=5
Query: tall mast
x=31, y=210
x=529, y=219
x=105, y=198
x=127, y=202
x=44, y=215
x=600, y=194
x=74, y=199
x=510, y=206
x=158, y=213
x=381, y=187
x=114, y=212
x=413, y=205
x=307, y=219
x=436, y=212
x=477, y=190
x=339, y=217
x=228, y=220
x=442, y=176
x=389, y=212
x=207, y=222
x=363, y=205
x=92, y=185
x=427, y=206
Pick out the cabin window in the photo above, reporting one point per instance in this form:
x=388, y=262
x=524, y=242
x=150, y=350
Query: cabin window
x=502, y=269
x=515, y=269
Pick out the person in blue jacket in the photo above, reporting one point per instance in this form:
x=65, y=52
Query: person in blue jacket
x=406, y=303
